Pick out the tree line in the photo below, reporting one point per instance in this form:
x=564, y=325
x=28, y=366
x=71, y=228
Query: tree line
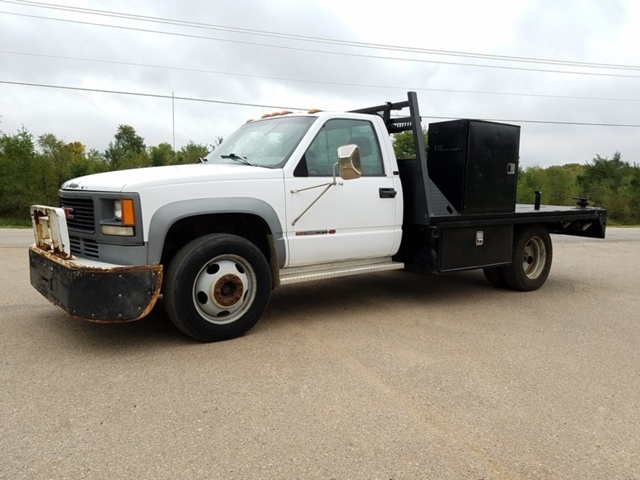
x=608, y=182
x=32, y=171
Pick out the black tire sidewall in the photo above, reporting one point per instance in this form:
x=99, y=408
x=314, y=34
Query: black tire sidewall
x=514, y=274
x=181, y=275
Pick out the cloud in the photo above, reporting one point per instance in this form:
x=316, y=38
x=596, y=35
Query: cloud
x=232, y=65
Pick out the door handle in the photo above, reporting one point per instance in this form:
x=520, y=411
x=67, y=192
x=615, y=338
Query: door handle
x=387, y=192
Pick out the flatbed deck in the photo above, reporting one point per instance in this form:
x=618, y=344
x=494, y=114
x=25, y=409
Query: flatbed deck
x=578, y=221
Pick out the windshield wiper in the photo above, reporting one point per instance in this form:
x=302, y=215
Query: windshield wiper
x=239, y=159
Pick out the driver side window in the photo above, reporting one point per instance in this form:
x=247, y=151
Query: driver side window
x=321, y=155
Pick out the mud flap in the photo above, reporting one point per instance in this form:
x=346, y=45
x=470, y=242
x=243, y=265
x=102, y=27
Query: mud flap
x=105, y=294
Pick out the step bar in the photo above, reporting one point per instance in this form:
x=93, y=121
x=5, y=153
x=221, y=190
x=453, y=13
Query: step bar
x=289, y=276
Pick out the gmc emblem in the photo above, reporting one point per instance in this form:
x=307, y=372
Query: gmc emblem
x=68, y=213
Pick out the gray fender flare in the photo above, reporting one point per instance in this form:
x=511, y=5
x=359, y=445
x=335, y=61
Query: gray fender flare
x=167, y=215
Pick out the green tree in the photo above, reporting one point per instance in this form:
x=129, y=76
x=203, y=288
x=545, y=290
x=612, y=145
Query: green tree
x=17, y=183
x=634, y=188
x=561, y=187
x=605, y=173
x=85, y=163
x=32, y=172
x=52, y=166
x=163, y=154
x=127, y=150
x=611, y=183
x=557, y=183
x=404, y=143
x=193, y=152
x=530, y=180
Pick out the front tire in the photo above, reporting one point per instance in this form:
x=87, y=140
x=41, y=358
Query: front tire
x=217, y=287
x=531, y=259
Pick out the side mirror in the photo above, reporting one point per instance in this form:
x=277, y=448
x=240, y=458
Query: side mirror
x=349, y=162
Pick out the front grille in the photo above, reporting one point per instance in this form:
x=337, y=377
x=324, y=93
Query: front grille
x=76, y=246
x=91, y=248
x=83, y=247
x=82, y=215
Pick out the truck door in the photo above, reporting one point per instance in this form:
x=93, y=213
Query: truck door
x=355, y=219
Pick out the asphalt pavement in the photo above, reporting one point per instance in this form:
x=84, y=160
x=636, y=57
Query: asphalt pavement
x=385, y=376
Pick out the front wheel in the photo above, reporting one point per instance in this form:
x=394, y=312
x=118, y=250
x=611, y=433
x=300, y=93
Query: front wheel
x=217, y=287
x=531, y=259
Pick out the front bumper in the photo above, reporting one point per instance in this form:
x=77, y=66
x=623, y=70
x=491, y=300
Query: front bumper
x=95, y=291
x=87, y=289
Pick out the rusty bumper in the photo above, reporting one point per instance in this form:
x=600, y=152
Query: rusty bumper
x=95, y=292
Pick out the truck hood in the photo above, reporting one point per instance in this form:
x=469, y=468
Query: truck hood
x=141, y=178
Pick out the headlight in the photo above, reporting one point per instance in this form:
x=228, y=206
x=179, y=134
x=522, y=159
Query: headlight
x=117, y=209
x=124, y=214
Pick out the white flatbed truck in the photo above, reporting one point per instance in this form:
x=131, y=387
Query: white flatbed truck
x=294, y=198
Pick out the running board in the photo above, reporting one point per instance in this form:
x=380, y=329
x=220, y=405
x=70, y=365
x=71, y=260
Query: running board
x=293, y=275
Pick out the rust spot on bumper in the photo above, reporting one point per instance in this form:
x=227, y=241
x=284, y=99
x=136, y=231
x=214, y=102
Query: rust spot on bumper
x=96, y=293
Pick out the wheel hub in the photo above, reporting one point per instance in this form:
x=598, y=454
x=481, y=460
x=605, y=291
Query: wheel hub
x=227, y=291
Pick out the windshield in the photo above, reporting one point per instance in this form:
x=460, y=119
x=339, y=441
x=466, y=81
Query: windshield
x=264, y=143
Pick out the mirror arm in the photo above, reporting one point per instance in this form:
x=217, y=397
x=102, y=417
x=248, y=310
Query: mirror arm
x=315, y=186
x=322, y=184
x=327, y=187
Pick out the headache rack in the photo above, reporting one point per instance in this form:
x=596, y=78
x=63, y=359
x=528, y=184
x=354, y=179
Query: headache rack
x=424, y=200
x=398, y=124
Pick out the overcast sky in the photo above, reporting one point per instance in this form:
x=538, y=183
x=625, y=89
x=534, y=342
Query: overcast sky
x=573, y=67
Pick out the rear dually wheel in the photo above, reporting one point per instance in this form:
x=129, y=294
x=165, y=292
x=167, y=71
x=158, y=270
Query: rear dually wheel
x=531, y=259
